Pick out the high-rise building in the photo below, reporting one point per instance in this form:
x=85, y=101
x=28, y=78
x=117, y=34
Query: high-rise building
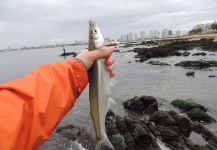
x=178, y=33
x=135, y=37
x=130, y=36
x=170, y=33
x=153, y=34
x=143, y=34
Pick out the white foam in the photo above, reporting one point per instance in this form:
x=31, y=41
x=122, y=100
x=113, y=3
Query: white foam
x=76, y=146
x=162, y=145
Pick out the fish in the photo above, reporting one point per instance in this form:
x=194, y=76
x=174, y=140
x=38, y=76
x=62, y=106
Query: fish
x=99, y=89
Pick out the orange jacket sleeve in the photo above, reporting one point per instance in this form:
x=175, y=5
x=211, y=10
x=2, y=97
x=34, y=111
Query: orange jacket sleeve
x=31, y=107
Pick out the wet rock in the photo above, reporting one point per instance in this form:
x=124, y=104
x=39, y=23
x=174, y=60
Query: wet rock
x=198, y=128
x=187, y=105
x=81, y=135
x=212, y=76
x=190, y=73
x=142, y=59
x=162, y=118
x=182, y=123
x=158, y=63
x=199, y=54
x=168, y=133
x=129, y=140
x=69, y=53
x=57, y=142
x=196, y=114
x=143, y=104
x=177, y=53
x=118, y=141
x=121, y=125
x=135, y=132
x=154, y=52
x=111, y=127
x=186, y=54
x=199, y=64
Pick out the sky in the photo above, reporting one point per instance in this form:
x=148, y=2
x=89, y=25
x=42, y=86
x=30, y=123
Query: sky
x=37, y=22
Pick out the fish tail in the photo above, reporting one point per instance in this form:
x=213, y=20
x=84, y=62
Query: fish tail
x=104, y=144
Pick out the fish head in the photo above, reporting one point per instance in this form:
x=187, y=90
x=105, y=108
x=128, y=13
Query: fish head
x=95, y=36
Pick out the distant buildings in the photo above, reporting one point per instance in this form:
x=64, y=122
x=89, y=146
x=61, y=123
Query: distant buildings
x=165, y=33
x=152, y=34
x=129, y=37
x=206, y=28
x=170, y=33
x=142, y=34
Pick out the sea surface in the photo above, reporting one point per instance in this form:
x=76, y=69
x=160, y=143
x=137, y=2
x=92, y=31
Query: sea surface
x=133, y=79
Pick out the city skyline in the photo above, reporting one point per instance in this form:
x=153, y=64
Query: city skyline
x=36, y=22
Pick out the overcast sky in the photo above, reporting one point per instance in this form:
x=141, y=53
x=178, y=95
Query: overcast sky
x=34, y=22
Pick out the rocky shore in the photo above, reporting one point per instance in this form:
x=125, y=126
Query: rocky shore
x=173, y=48
x=145, y=127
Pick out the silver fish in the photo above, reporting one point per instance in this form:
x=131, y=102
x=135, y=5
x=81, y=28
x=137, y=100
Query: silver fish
x=99, y=90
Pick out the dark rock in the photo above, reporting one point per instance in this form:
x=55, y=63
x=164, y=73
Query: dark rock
x=143, y=104
x=190, y=73
x=134, y=104
x=177, y=53
x=199, y=54
x=121, y=125
x=142, y=59
x=148, y=100
x=186, y=54
x=129, y=62
x=129, y=140
x=154, y=52
x=74, y=133
x=199, y=64
x=212, y=76
x=69, y=53
x=111, y=128
x=172, y=47
x=168, y=133
x=118, y=141
x=149, y=43
x=56, y=142
x=212, y=54
x=152, y=108
x=198, y=128
x=138, y=131
x=183, y=123
x=158, y=63
x=162, y=118
x=196, y=114
x=187, y=105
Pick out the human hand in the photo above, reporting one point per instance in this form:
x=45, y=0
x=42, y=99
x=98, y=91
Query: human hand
x=88, y=58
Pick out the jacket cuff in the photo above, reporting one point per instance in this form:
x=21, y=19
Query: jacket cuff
x=80, y=72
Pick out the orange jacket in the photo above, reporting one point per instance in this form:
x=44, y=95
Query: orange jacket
x=31, y=107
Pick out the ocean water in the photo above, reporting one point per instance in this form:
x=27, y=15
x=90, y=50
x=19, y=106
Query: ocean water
x=134, y=79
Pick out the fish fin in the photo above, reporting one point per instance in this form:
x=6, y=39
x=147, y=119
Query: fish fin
x=111, y=103
x=113, y=82
x=104, y=144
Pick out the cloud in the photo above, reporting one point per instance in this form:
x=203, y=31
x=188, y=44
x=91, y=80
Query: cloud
x=32, y=22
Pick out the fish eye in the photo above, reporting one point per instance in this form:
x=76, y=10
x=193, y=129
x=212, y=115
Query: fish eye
x=94, y=31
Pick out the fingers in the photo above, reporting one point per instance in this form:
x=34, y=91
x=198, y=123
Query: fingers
x=109, y=60
x=109, y=66
x=103, y=52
